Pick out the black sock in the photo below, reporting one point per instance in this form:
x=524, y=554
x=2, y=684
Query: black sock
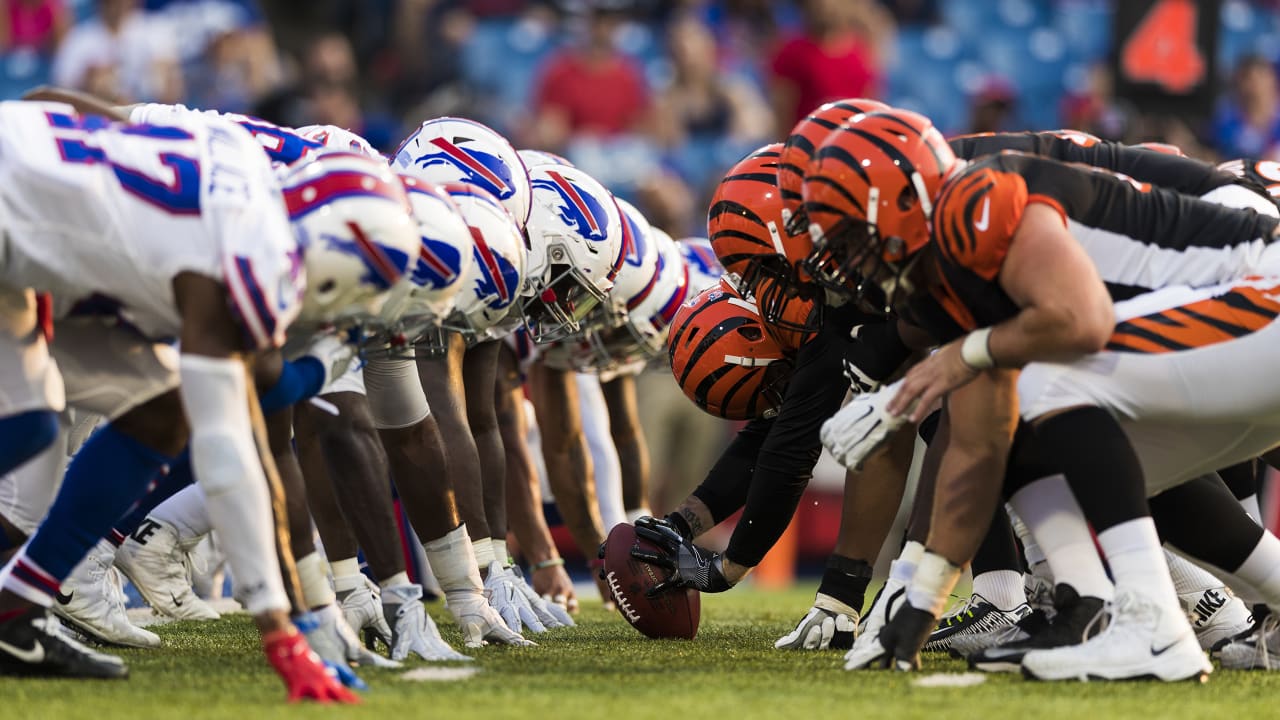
x=999, y=549
x=1202, y=519
x=846, y=579
x=1100, y=464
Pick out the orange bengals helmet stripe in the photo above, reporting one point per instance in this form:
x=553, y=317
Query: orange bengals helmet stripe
x=745, y=218
x=724, y=359
x=804, y=140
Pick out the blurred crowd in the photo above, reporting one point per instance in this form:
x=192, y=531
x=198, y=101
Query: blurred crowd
x=654, y=97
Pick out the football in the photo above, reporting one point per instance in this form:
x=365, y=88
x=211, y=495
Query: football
x=673, y=614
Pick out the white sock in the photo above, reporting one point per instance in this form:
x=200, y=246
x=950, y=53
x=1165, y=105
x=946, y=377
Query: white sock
x=1187, y=577
x=186, y=511
x=1251, y=506
x=904, y=568
x=1261, y=570
x=1002, y=588
x=1030, y=548
x=604, y=456
x=316, y=591
x=400, y=579
x=1137, y=562
x=346, y=574
x=453, y=562
x=1057, y=523
x=934, y=579
x=483, y=549
x=500, y=551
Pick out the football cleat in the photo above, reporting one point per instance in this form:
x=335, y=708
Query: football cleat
x=1217, y=614
x=1029, y=624
x=1076, y=619
x=413, y=630
x=32, y=645
x=974, y=616
x=92, y=602
x=1142, y=640
x=1258, y=650
x=362, y=609
x=867, y=648
x=159, y=566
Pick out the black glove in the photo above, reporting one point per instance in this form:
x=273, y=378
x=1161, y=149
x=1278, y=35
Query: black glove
x=690, y=565
x=904, y=636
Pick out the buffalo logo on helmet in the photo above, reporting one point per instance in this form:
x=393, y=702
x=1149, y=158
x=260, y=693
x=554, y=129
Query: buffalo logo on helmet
x=438, y=264
x=477, y=167
x=498, y=278
x=384, y=265
x=577, y=208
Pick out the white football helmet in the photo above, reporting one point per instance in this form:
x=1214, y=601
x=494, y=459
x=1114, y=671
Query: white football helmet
x=449, y=149
x=575, y=251
x=351, y=216
x=541, y=157
x=490, y=288
x=705, y=269
x=649, y=320
x=336, y=138
x=639, y=271
x=445, y=255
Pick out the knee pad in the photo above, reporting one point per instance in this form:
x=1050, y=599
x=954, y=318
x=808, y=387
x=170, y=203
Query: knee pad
x=396, y=399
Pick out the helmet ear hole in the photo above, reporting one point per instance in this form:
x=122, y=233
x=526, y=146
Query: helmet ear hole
x=751, y=332
x=907, y=199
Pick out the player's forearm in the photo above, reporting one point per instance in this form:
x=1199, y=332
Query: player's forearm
x=83, y=102
x=524, y=496
x=570, y=478
x=629, y=441
x=1046, y=334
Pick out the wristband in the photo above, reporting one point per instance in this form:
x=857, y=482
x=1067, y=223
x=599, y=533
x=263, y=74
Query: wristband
x=975, y=351
x=553, y=562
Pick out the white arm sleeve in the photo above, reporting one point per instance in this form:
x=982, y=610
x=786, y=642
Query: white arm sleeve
x=225, y=461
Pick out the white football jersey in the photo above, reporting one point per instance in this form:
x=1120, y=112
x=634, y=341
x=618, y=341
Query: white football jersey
x=104, y=216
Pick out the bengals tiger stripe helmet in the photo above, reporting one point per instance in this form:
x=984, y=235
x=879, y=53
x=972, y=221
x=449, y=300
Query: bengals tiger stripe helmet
x=868, y=195
x=803, y=142
x=724, y=359
x=746, y=227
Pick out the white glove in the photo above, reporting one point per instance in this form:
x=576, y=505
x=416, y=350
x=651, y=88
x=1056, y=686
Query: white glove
x=853, y=433
x=335, y=641
x=500, y=590
x=415, y=631
x=829, y=624
x=363, y=612
x=552, y=615
x=480, y=623
x=334, y=354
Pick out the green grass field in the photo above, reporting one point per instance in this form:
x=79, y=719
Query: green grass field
x=603, y=670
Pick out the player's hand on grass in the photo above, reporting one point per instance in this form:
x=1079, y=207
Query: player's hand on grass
x=506, y=598
x=552, y=583
x=829, y=624
x=304, y=674
x=690, y=565
x=861, y=427
x=480, y=623
x=552, y=615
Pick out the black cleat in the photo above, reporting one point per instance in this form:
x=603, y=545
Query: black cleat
x=33, y=644
x=1073, y=624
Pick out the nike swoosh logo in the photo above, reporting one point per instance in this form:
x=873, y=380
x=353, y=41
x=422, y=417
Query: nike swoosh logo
x=1161, y=651
x=985, y=222
x=176, y=601
x=33, y=656
x=64, y=599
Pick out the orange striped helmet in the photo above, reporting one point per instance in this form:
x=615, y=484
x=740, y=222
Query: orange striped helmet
x=724, y=359
x=746, y=230
x=869, y=194
x=803, y=142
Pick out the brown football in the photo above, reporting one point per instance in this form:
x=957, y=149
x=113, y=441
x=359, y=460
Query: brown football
x=672, y=614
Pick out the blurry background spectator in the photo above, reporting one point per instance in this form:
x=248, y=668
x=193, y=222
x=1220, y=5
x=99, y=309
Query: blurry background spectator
x=37, y=25
x=836, y=55
x=123, y=53
x=992, y=107
x=1248, y=121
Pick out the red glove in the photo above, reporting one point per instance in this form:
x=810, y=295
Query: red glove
x=301, y=669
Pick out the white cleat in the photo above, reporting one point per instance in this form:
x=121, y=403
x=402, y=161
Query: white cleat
x=1216, y=615
x=867, y=650
x=413, y=629
x=362, y=607
x=1259, y=651
x=158, y=565
x=91, y=602
x=1142, y=641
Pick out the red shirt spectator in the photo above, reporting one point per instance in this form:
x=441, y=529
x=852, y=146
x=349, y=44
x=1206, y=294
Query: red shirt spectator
x=599, y=96
x=821, y=71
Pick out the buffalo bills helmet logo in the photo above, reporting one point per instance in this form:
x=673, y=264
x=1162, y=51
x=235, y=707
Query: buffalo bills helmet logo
x=577, y=208
x=702, y=258
x=473, y=165
x=638, y=245
x=498, y=279
x=439, y=264
x=384, y=265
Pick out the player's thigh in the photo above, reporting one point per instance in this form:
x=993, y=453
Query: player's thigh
x=29, y=377
x=108, y=369
x=396, y=399
x=1173, y=453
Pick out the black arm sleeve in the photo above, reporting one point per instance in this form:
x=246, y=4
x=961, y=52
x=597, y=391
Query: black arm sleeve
x=786, y=459
x=725, y=488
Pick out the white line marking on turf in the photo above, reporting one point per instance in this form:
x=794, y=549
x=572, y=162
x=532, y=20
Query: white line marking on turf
x=947, y=680
x=445, y=674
